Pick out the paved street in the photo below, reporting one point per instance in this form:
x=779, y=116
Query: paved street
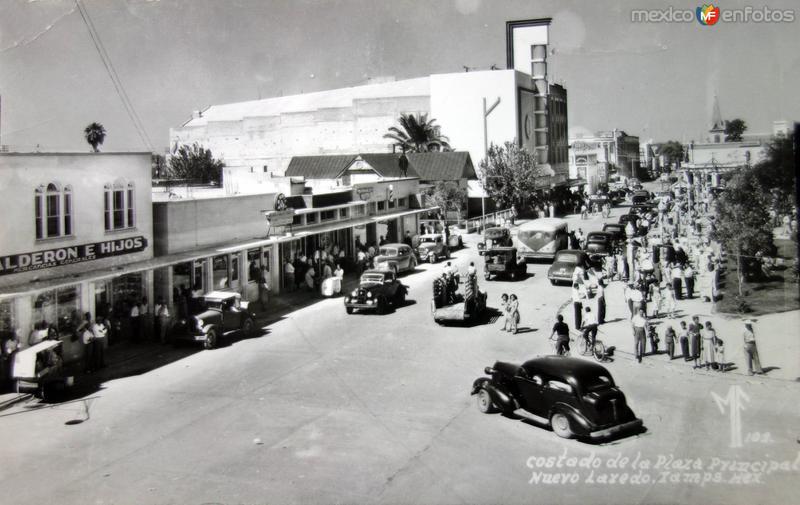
x=326, y=407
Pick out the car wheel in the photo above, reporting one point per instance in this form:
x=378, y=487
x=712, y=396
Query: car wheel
x=413, y=264
x=211, y=340
x=400, y=298
x=553, y=282
x=484, y=402
x=247, y=327
x=349, y=310
x=560, y=424
x=447, y=253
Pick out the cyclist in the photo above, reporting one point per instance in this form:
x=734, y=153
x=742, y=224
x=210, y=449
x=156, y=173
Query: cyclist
x=561, y=331
x=589, y=328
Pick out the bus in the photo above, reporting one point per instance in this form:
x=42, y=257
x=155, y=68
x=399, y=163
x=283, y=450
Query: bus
x=542, y=238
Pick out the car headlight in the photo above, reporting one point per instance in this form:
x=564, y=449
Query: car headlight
x=354, y=293
x=199, y=324
x=369, y=294
x=369, y=302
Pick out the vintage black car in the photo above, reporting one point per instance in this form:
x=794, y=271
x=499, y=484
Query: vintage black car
x=641, y=196
x=377, y=291
x=223, y=313
x=497, y=236
x=599, y=243
x=503, y=262
x=432, y=247
x=575, y=397
x=564, y=264
x=617, y=231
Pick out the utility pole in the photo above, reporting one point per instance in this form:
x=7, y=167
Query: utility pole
x=486, y=113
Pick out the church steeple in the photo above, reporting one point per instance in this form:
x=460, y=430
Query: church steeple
x=717, y=131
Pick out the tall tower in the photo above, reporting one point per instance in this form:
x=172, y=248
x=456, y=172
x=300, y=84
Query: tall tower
x=717, y=132
x=527, y=51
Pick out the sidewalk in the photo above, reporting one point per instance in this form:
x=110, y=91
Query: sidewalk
x=776, y=335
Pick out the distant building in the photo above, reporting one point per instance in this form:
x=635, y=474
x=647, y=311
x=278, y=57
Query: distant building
x=614, y=151
x=258, y=139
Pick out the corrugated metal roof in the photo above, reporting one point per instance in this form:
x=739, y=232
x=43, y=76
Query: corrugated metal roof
x=386, y=164
x=319, y=167
x=443, y=166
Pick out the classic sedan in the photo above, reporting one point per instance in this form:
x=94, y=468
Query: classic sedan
x=397, y=257
x=432, y=247
x=377, y=290
x=564, y=265
x=575, y=397
x=223, y=313
x=599, y=243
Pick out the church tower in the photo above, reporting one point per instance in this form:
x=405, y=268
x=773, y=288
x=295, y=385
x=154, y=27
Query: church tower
x=716, y=134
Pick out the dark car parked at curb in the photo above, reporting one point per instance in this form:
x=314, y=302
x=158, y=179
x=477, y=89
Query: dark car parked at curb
x=617, y=231
x=503, y=262
x=575, y=397
x=564, y=265
x=599, y=243
x=223, y=313
x=377, y=291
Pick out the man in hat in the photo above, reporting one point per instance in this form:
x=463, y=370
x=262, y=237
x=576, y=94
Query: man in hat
x=751, y=350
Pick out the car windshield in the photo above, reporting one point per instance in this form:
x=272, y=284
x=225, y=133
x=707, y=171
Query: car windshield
x=567, y=258
x=427, y=240
x=371, y=278
x=597, y=383
x=388, y=251
x=212, y=304
x=493, y=234
x=597, y=238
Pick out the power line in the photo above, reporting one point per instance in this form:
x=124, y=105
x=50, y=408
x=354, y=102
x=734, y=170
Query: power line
x=112, y=73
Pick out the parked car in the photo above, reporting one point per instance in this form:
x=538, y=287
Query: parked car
x=432, y=247
x=617, y=231
x=575, y=397
x=564, y=265
x=223, y=313
x=397, y=257
x=41, y=370
x=503, y=262
x=497, y=236
x=377, y=290
x=454, y=240
x=640, y=196
x=599, y=243
x=624, y=219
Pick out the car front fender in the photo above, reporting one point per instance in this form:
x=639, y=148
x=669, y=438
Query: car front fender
x=502, y=400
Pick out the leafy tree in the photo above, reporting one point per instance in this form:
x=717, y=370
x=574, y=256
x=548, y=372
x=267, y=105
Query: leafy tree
x=777, y=173
x=95, y=134
x=418, y=134
x=672, y=151
x=734, y=130
x=743, y=223
x=509, y=175
x=448, y=197
x=195, y=163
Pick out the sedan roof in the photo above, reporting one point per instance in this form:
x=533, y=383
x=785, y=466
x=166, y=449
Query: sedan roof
x=570, y=369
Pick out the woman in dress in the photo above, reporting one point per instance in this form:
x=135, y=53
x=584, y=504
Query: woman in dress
x=709, y=345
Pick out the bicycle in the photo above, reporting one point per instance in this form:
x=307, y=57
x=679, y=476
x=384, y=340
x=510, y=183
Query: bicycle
x=599, y=351
x=555, y=347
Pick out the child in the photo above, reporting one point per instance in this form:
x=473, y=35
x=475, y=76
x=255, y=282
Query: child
x=513, y=313
x=720, y=354
x=504, y=311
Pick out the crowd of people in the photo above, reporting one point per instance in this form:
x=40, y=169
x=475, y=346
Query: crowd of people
x=666, y=256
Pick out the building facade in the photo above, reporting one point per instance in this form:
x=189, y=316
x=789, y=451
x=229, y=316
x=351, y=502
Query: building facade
x=81, y=222
x=615, y=151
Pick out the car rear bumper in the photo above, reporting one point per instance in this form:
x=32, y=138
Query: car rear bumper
x=537, y=255
x=361, y=306
x=631, y=425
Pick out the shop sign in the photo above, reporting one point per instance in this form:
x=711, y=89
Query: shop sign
x=364, y=193
x=280, y=217
x=543, y=182
x=25, y=262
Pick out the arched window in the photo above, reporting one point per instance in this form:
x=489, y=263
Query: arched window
x=53, y=211
x=119, y=207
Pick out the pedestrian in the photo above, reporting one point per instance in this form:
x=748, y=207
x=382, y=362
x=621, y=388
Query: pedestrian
x=288, y=275
x=161, y=311
x=670, y=339
x=136, y=321
x=688, y=277
x=407, y=239
x=584, y=212
x=640, y=325
x=503, y=308
x=751, y=349
x=600, y=297
x=683, y=338
x=676, y=273
x=146, y=319
x=652, y=335
x=471, y=270
x=84, y=331
x=263, y=287
x=668, y=299
x=561, y=331
x=513, y=312
x=655, y=299
x=709, y=345
x=695, y=340
x=719, y=352
x=638, y=299
x=310, y=274
x=100, y=333
x=577, y=302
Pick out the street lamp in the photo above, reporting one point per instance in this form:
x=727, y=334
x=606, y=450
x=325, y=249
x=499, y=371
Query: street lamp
x=486, y=113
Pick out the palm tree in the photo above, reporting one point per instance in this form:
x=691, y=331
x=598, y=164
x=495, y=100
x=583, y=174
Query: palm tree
x=418, y=134
x=95, y=134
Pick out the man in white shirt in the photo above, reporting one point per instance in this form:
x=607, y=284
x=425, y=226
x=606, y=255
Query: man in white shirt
x=640, y=325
